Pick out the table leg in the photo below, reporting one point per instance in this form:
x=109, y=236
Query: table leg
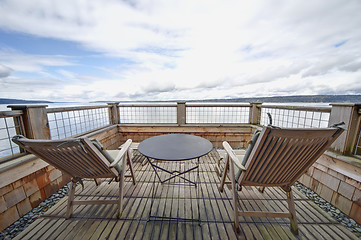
x=174, y=175
x=197, y=193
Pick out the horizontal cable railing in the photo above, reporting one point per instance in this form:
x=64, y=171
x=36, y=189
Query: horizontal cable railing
x=147, y=113
x=221, y=113
x=295, y=116
x=10, y=125
x=70, y=121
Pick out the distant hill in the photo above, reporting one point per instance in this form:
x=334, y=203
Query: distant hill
x=20, y=101
x=301, y=98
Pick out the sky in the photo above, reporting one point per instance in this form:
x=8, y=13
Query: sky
x=141, y=50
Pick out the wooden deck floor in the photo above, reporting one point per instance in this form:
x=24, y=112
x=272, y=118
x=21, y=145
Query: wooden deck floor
x=179, y=201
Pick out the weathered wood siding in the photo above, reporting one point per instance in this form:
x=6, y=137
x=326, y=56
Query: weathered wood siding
x=237, y=136
x=338, y=182
x=25, y=187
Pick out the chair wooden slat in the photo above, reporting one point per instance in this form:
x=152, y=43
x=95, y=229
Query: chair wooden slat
x=278, y=170
x=272, y=163
x=263, y=162
x=287, y=163
x=80, y=159
x=262, y=140
x=276, y=154
x=302, y=160
x=279, y=158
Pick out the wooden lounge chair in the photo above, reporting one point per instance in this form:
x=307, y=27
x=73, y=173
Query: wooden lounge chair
x=279, y=157
x=83, y=158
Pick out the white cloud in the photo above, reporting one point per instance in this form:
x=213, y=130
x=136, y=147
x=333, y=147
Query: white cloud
x=196, y=49
x=21, y=62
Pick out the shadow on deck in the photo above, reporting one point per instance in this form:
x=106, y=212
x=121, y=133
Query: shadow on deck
x=182, y=201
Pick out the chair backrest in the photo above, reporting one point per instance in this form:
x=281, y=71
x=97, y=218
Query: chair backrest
x=281, y=156
x=76, y=157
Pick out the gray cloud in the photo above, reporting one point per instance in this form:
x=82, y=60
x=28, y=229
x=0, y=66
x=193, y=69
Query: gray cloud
x=156, y=87
x=335, y=62
x=352, y=66
x=5, y=71
x=29, y=83
x=273, y=73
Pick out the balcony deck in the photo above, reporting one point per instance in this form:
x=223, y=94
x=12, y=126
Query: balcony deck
x=100, y=222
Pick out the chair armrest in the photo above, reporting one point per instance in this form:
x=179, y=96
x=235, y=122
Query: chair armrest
x=233, y=156
x=121, y=153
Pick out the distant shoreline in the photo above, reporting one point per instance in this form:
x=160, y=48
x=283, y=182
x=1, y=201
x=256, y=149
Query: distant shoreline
x=21, y=101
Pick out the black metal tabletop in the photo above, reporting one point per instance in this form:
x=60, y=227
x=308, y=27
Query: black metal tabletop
x=175, y=147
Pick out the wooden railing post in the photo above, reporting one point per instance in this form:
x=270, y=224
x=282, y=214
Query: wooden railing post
x=35, y=120
x=181, y=113
x=114, y=117
x=255, y=113
x=351, y=115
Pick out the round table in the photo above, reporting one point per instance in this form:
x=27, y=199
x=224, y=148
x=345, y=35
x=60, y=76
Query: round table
x=175, y=147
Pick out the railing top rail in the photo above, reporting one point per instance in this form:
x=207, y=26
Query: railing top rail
x=151, y=104
x=300, y=108
x=67, y=109
x=14, y=113
x=217, y=104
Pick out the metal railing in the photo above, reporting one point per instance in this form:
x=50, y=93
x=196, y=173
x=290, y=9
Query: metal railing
x=296, y=116
x=10, y=125
x=168, y=113
x=70, y=121
x=221, y=113
x=149, y=113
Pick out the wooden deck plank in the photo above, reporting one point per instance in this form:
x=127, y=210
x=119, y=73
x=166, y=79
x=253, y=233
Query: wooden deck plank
x=180, y=201
x=218, y=207
x=141, y=212
x=342, y=231
x=116, y=230
x=32, y=229
x=107, y=230
x=81, y=223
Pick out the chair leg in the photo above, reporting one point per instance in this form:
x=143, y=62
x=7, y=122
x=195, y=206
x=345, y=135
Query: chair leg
x=121, y=194
x=97, y=181
x=69, y=210
x=292, y=210
x=218, y=167
x=131, y=169
x=234, y=197
x=223, y=179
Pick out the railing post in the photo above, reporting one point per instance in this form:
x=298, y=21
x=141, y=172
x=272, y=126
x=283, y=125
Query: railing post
x=255, y=113
x=351, y=115
x=181, y=113
x=114, y=117
x=35, y=120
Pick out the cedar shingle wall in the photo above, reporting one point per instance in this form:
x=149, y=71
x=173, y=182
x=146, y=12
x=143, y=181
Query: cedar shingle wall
x=328, y=178
x=19, y=197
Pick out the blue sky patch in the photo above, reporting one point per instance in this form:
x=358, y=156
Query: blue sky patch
x=339, y=44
